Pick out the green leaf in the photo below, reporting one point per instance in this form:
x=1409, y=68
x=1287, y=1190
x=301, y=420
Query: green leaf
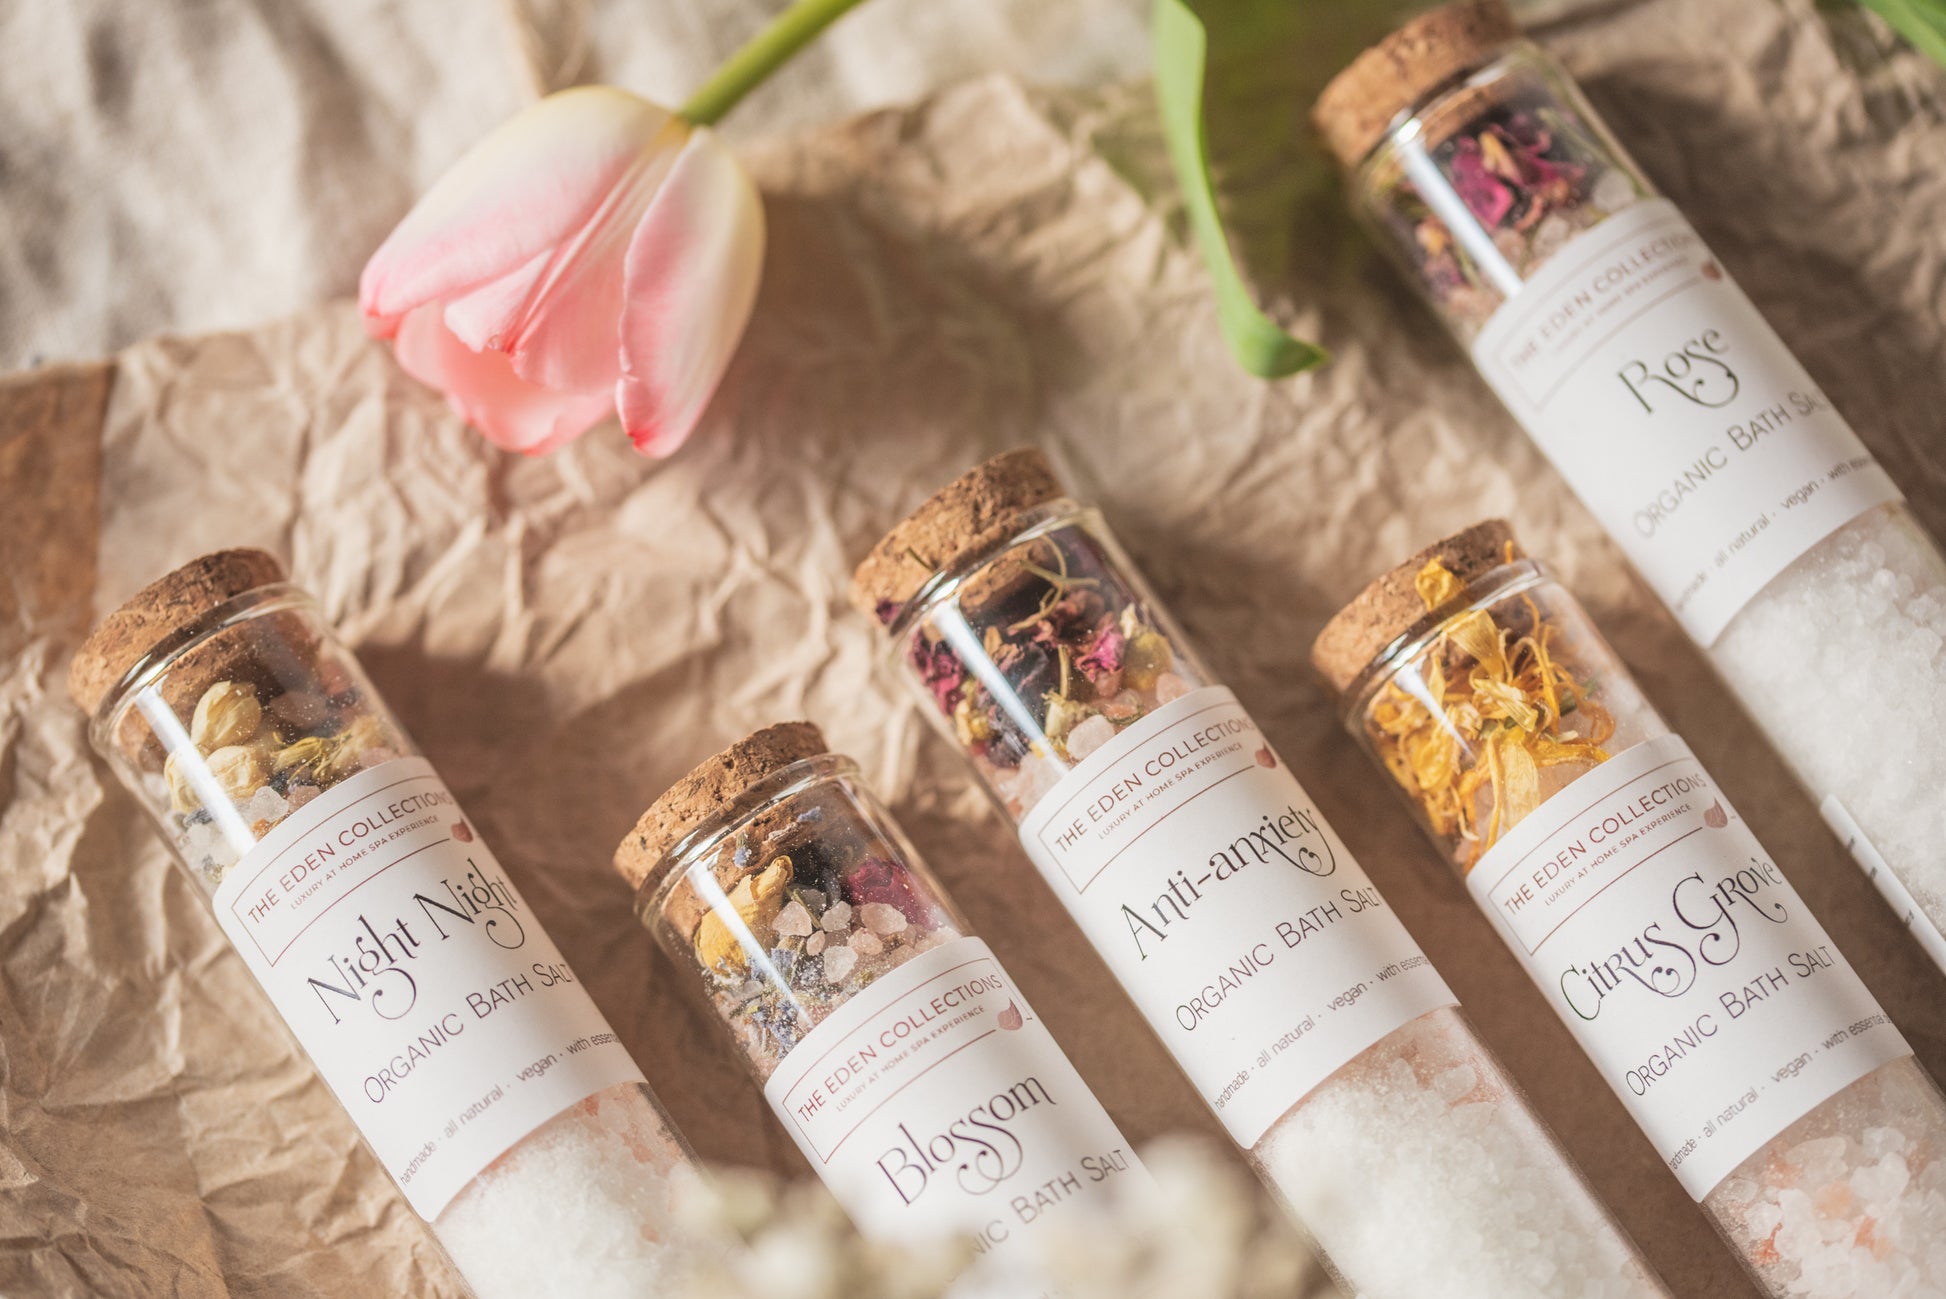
x=1181, y=51
x=1923, y=22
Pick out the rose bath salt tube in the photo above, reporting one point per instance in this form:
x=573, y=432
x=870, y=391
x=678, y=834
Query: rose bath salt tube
x=1676, y=413
x=892, y=1046
x=1735, y=1033
x=1255, y=946
x=384, y=932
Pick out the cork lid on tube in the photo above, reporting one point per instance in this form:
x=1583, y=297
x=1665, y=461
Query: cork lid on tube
x=157, y=612
x=705, y=793
x=1361, y=103
x=1392, y=605
x=975, y=511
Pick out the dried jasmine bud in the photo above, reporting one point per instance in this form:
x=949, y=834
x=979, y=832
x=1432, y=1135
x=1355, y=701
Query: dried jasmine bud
x=238, y=769
x=227, y=714
x=183, y=799
x=757, y=900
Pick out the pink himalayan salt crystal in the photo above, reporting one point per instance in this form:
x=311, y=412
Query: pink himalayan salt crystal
x=1089, y=736
x=881, y=918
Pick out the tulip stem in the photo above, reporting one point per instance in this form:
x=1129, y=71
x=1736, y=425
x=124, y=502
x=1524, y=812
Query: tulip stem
x=760, y=56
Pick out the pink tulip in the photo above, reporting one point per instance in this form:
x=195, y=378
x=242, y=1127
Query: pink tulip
x=595, y=254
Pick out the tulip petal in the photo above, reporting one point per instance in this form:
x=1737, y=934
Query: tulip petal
x=484, y=390
x=692, y=275
x=534, y=181
x=564, y=333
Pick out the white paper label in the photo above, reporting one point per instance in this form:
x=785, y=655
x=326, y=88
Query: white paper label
x=1682, y=960
x=1866, y=854
x=1237, y=921
x=1676, y=413
x=934, y=1103
x=416, y=978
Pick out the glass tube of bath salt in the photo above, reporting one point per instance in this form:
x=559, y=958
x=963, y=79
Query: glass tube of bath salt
x=1677, y=414
x=892, y=1046
x=1252, y=942
x=479, y=1072
x=1733, y=1030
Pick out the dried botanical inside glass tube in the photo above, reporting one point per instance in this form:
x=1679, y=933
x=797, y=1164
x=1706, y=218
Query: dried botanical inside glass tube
x=1677, y=414
x=442, y=1017
x=893, y=1047
x=1248, y=936
x=1732, y=1028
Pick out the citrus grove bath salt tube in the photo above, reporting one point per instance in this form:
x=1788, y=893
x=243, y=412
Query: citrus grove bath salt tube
x=1736, y=1034
x=899, y=1055
x=1201, y=871
x=387, y=936
x=1613, y=334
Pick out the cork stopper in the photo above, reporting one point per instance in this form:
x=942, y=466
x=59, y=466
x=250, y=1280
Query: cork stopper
x=975, y=511
x=1391, y=606
x=1361, y=102
x=158, y=611
x=710, y=790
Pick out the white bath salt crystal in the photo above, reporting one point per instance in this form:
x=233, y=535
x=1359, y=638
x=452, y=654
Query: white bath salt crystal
x=866, y=943
x=882, y=918
x=1840, y=660
x=1455, y=1083
x=839, y=962
x=837, y=918
x=572, y=1208
x=816, y=943
x=1375, y=1160
x=1090, y=735
x=812, y=899
x=794, y=921
x=1884, y=1141
x=1882, y=1182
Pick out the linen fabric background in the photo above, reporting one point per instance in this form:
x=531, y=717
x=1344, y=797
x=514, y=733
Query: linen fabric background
x=987, y=267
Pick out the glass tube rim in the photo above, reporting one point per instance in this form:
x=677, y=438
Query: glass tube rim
x=1489, y=587
x=257, y=602
x=1409, y=122
x=1026, y=525
x=673, y=867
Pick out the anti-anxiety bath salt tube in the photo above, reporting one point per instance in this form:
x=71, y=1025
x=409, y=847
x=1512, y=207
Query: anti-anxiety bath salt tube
x=1613, y=334
x=388, y=938
x=1739, y=1038
x=1202, y=873
x=891, y=1044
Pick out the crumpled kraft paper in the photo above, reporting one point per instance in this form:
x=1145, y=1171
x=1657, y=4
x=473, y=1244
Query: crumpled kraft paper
x=564, y=637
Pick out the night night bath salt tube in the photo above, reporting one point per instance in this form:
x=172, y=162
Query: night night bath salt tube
x=384, y=932
x=1707, y=994
x=1646, y=375
x=892, y=1046
x=1255, y=946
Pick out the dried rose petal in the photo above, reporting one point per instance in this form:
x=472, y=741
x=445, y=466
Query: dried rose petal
x=880, y=881
x=1486, y=197
x=1103, y=658
x=941, y=671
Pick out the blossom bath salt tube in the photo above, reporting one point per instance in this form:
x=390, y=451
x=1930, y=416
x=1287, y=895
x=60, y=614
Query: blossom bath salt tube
x=892, y=1046
x=406, y=964
x=1677, y=414
x=1250, y=939
x=1707, y=994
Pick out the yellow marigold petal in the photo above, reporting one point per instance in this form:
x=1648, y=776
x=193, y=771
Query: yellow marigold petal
x=1520, y=786
x=1475, y=635
x=1436, y=584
